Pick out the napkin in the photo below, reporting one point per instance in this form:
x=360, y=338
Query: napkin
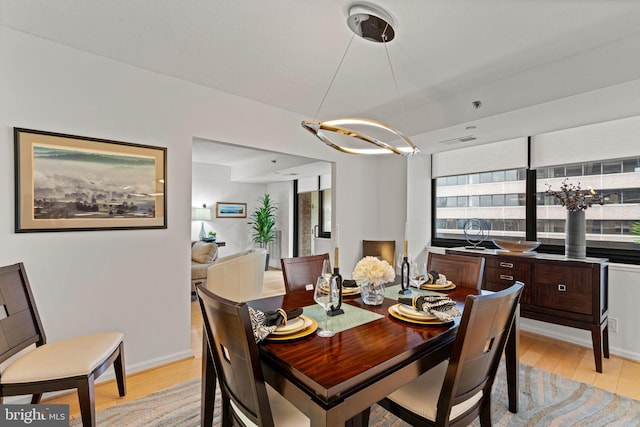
x=348, y=283
x=276, y=317
x=265, y=323
x=442, y=307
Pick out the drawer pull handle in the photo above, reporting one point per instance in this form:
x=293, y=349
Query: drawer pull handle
x=506, y=264
x=562, y=288
x=505, y=277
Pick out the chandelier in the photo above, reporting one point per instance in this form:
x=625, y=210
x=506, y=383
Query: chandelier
x=360, y=135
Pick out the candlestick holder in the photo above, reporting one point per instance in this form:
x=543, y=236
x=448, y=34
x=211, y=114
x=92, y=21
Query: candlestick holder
x=335, y=310
x=404, y=277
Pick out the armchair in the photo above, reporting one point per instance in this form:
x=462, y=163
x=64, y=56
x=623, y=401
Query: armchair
x=238, y=277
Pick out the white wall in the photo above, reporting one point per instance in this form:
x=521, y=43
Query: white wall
x=134, y=280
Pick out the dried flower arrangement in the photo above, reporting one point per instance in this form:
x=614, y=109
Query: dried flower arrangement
x=574, y=198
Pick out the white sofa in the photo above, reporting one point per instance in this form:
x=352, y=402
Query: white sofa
x=238, y=277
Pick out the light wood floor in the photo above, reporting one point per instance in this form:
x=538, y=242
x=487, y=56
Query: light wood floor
x=620, y=376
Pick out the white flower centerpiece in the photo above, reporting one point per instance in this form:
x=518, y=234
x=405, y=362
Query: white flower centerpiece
x=371, y=274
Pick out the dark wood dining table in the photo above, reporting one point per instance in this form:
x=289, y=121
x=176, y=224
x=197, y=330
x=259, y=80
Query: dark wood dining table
x=334, y=381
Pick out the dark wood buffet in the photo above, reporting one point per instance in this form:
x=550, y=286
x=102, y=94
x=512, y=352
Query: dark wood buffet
x=564, y=291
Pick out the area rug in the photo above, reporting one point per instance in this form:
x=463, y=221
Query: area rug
x=545, y=400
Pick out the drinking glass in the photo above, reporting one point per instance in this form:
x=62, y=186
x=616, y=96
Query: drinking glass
x=326, y=270
x=326, y=294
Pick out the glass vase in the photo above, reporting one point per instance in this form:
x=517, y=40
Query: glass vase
x=372, y=294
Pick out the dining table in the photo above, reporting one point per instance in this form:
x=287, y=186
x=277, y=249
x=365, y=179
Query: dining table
x=335, y=380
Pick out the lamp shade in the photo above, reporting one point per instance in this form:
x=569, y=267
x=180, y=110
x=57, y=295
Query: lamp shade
x=201, y=214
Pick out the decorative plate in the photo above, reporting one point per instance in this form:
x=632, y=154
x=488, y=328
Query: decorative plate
x=313, y=325
x=393, y=311
x=292, y=326
x=437, y=287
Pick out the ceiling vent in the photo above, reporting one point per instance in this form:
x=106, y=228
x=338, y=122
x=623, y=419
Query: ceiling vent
x=467, y=138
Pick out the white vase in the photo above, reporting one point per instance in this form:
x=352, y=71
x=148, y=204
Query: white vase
x=372, y=294
x=575, y=245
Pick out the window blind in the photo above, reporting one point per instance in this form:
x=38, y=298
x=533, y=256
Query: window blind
x=508, y=154
x=601, y=141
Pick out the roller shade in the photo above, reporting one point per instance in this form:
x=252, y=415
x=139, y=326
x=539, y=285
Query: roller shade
x=509, y=154
x=601, y=141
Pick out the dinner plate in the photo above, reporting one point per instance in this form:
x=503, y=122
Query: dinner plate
x=346, y=291
x=393, y=311
x=292, y=326
x=412, y=313
x=308, y=330
x=438, y=287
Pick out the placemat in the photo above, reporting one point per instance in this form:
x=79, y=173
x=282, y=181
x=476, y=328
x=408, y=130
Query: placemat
x=352, y=317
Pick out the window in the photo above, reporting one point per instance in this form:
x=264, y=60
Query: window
x=497, y=198
x=501, y=205
x=609, y=225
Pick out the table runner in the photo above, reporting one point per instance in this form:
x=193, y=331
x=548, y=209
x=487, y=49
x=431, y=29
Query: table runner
x=352, y=317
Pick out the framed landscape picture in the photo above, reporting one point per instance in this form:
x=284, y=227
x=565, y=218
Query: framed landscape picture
x=72, y=183
x=231, y=210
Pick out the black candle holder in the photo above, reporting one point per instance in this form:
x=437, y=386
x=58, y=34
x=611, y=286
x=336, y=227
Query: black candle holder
x=404, y=277
x=336, y=310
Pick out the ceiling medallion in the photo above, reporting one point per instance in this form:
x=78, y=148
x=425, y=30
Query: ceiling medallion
x=377, y=26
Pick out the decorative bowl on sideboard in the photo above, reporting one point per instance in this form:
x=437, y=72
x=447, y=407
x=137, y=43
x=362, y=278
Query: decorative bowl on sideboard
x=517, y=245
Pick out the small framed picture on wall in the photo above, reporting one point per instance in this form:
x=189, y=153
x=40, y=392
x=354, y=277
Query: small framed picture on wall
x=231, y=210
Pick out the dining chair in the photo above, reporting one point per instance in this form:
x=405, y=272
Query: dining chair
x=464, y=271
x=246, y=399
x=383, y=249
x=456, y=391
x=36, y=366
x=298, y=272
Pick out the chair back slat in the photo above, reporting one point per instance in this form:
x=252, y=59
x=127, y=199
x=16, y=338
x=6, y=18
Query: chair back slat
x=298, y=272
x=20, y=324
x=464, y=271
x=480, y=341
x=229, y=333
x=383, y=249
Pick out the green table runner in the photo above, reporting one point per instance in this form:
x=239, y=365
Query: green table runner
x=352, y=317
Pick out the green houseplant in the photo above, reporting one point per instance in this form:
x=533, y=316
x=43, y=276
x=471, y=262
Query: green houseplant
x=263, y=221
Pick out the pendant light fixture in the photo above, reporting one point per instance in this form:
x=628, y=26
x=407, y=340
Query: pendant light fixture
x=375, y=25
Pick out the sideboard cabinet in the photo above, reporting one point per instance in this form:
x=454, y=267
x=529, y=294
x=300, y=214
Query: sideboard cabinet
x=564, y=291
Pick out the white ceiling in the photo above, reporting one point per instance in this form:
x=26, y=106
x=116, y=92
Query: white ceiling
x=527, y=61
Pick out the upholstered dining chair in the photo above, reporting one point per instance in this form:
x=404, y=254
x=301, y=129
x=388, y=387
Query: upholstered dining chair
x=464, y=271
x=246, y=398
x=383, y=249
x=298, y=272
x=50, y=366
x=456, y=391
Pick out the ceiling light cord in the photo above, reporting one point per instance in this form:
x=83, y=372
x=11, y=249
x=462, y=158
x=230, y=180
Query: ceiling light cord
x=393, y=76
x=333, y=79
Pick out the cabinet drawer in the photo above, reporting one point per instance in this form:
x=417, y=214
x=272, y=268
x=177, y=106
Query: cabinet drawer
x=506, y=263
x=563, y=288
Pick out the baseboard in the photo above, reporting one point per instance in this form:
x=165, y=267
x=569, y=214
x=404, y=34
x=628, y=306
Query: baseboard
x=109, y=375
x=537, y=328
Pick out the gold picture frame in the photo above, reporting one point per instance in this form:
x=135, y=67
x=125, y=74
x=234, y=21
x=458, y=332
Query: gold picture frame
x=76, y=183
x=231, y=210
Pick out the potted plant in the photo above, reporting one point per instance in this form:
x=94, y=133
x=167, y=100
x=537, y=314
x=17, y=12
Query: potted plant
x=263, y=221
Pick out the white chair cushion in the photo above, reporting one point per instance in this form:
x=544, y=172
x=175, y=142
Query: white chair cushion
x=64, y=358
x=283, y=412
x=420, y=396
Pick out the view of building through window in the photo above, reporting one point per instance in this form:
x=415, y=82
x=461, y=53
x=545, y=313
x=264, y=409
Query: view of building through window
x=497, y=198
x=609, y=225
